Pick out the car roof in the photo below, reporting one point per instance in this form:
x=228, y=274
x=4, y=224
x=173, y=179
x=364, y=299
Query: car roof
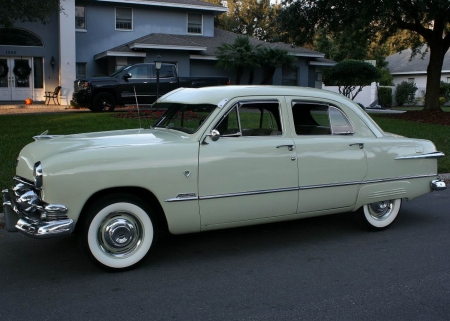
x=216, y=94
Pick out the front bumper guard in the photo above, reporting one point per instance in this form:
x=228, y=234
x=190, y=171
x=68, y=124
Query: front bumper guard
x=438, y=185
x=16, y=220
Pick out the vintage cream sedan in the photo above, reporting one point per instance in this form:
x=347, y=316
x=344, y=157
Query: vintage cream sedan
x=219, y=157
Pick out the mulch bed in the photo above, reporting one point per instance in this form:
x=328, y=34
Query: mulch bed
x=435, y=117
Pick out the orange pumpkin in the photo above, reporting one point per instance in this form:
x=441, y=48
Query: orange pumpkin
x=28, y=101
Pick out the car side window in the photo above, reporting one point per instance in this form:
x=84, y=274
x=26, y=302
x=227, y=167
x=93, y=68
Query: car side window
x=320, y=119
x=252, y=119
x=340, y=125
x=139, y=72
x=166, y=71
x=311, y=119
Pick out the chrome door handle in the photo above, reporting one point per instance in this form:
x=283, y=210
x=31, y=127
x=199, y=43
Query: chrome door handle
x=361, y=145
x=290, y=147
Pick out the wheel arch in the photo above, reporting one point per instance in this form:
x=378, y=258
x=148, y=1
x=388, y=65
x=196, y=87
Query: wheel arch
x=143, y=194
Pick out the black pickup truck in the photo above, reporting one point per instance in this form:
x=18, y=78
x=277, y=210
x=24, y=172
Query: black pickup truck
x=133, y=82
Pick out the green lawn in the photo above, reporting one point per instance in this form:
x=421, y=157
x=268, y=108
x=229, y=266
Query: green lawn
x=18, y=130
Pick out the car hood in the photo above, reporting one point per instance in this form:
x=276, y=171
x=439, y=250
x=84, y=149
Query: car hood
x=47, y=146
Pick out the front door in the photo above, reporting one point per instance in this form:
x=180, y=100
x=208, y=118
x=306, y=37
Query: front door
x=250, y=174
x=15, y=78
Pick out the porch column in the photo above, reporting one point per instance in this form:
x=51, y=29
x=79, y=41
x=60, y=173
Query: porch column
x=67, y=53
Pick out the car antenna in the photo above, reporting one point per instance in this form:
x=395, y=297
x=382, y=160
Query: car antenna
x=137, y=105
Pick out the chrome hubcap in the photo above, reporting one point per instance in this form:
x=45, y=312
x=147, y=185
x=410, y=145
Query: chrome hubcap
x=380, y=210
x=120, y=234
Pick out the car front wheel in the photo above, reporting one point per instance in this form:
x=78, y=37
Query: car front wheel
x=103, y=101
x=379, y=215
x=117, y=232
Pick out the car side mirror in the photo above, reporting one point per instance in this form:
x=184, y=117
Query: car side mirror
x=127, y=76
x=215, y=135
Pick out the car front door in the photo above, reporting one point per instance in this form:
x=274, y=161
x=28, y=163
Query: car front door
x=250, y=172
x=331, y=157
x=137, y=86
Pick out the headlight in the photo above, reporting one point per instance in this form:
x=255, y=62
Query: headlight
x=37, y=174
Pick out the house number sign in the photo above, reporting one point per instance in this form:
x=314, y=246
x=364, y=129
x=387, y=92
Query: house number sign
x=11, y=52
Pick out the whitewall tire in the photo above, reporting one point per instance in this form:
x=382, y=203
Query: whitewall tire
x=380, y=215
x=117, y=232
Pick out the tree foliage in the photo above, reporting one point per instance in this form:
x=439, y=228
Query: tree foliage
x=270, y=59
x=338, y=46
x=351, y=76
x=241, y=55
x=427, y=20
x=237, y=56
x=253, y=18
x=27, y=10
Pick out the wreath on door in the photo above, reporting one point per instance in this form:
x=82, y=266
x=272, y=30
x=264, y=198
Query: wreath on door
x=21, y=69
x=3, y=69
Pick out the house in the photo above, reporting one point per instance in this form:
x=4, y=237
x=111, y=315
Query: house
x=95, y=37
x=404, y=68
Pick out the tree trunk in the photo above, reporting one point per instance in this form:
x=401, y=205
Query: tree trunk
x=239, y=72
x=268, y=74
x=434, y=70
x=251, y=76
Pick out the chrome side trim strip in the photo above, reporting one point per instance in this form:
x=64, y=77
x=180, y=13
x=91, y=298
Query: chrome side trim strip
x=180, y=197
x=206, y=197
x=397, y=178
x=329, y=185
x=427, y=155
x=268, y=191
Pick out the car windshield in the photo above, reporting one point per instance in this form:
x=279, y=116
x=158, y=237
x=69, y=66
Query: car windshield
x=116, y=73
x=183, y=117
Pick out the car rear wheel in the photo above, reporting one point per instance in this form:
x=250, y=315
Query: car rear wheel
x=117, y=231
x=379, y=215
x=103, y=102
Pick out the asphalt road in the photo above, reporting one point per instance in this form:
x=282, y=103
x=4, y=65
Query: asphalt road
x=314, y=269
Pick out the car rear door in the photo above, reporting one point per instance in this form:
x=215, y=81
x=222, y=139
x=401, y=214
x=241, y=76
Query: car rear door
x=330, y=154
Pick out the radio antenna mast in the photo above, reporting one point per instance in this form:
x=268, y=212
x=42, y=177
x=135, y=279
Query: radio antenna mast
x=137, y=105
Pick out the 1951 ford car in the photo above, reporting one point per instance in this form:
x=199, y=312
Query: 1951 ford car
x=219, y=157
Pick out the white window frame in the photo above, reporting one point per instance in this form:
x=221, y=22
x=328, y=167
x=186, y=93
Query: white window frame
x=115, y=19
x=85, y=20
x=187, y=24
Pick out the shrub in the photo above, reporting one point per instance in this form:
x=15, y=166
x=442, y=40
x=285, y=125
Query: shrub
x=421, y=99
x=405, y=93
x=444, y=91
x=385, y=96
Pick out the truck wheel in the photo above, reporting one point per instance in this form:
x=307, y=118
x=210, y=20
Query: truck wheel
x=117, y=231
x=103, y=102
x=379, y=215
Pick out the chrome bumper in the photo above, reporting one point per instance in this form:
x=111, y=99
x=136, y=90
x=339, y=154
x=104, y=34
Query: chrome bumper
x=30, y=222
x=438, y=185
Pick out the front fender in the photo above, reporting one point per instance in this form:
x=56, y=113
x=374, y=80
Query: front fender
x=72, y=178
